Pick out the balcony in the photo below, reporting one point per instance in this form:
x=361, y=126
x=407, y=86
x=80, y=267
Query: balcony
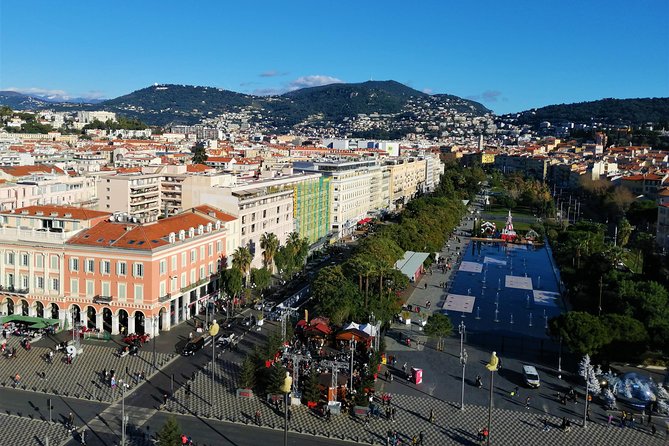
x=13, y=290
x=100, y=299
x=34, y=235
x=194, y=285
x=166, y=298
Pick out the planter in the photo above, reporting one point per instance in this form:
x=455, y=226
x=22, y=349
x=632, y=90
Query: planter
x=245, y=393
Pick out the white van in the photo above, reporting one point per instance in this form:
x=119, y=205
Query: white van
x=531, y=376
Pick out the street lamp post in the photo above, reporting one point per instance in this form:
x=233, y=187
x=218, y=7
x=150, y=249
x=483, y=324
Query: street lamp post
x=492, y=366
x=124, y=419
x=285, y=389
x=461, y=329
x=463, y=361
x=155, y=323
x=585, y=406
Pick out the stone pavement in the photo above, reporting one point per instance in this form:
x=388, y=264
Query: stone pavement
x=452, y=426
x=81, y=379
x=23, y=431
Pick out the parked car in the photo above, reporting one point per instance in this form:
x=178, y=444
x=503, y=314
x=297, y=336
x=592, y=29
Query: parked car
x=193, y=346
x=226, y=340
x=531, y=376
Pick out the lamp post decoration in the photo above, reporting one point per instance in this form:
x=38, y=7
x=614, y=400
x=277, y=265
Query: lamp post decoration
x=492, y=365
x=285, y=389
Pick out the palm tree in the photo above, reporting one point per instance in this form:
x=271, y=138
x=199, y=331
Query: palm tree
x=241, y=259
x=270, y=244
x=293, y=241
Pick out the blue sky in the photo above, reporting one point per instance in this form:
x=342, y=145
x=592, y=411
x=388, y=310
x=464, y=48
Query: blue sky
x=509, y=55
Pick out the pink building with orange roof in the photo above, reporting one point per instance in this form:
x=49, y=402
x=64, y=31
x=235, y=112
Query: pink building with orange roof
x=103, y=271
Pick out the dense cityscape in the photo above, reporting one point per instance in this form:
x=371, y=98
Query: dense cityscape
x=249, y=254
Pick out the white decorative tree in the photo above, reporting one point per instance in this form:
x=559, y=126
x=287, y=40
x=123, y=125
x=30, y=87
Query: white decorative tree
x=609, y=398
x=587, y=371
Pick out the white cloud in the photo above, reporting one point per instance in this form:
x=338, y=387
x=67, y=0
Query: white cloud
x=315, y=80
x=312, y=81
x=427, y=90
x=44, y=92
x=55, y=94
x=272, y=73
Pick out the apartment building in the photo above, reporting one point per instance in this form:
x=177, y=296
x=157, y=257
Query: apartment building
x=351, y=189
x=407, y=178
x=647, y=184
x=260, y=206
x=107, y=272
x=134, y=194
x=44, y=189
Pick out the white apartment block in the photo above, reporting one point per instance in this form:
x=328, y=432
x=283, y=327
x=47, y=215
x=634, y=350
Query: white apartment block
x=261, y=206
x=86, y=117
x=46, y=190
x=135, y=194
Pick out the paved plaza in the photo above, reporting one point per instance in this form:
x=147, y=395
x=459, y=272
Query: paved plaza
x=213, y=406
x=26, y=431
x=451, y=426
x=81, y=379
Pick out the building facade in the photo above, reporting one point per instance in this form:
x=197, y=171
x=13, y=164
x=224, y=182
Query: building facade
x=107, y=272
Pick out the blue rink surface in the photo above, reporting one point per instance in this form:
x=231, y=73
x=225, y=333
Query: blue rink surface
x=516, y=307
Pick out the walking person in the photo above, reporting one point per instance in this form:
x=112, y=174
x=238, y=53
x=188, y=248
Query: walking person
x=546, y=425
x=527, y=403
x=432, y=416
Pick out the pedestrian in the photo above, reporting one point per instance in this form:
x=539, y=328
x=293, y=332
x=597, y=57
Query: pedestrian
x=421, y=437
x=527, y=403
x=17, y=380
x=609, y=420
x=70, y=421
x=257, y=417
x=546, y=425
x=290, y=415
x=432, y=416
x=514, y=392
x=164, y=399
x=653, y=429
x=127, y=371
x=394, y=414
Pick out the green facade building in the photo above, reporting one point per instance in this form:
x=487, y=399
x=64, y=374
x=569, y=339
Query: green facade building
x=312, y=199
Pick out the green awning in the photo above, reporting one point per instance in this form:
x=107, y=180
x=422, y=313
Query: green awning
x=33, y=322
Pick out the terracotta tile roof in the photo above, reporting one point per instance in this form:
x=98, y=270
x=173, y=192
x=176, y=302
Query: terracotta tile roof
x=198, y=168
x=59, y=211
x=205, y=208
x=24, y=171
x=219, y=159
x=129, y=170
x=143, y=237
x=641, y=177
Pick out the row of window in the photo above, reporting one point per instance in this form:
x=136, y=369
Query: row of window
x=24, y=260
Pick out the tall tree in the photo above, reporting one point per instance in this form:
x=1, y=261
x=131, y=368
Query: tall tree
x=582, y=332
x=199, y=153
x=269, y=243
x=170, y=433
x=438, y=326
x=241, y=260
x=247, y=374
